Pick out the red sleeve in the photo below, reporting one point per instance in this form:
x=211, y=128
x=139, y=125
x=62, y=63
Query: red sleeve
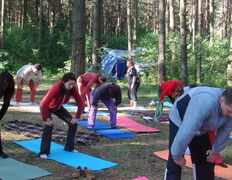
x=44, y=104
x=79, y=102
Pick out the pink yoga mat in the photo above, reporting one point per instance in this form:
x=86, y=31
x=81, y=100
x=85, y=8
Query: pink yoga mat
x=140, y=178
x=133, y=125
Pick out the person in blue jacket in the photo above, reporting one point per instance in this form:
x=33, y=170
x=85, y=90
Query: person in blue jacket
x=199, y=110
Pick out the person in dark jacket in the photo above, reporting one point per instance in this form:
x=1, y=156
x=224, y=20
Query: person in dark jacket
x=7, y=88
x=110, y=94
x=133, y=83
x=52, y=103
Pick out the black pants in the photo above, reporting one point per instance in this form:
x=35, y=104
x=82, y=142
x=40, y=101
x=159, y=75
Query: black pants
x=63, y=114
x=198, y=147
x=132, y=93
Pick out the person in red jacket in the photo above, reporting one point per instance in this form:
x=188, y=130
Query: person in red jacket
x=52, y=103
x=86, y=81
x=173, y=89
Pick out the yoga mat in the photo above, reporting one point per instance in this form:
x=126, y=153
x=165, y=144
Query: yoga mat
x=133, y=125
x=140, y=178
x=74, y=108
x=218, y=170
x=73, y=159
x=105, y=130
x=11, y=169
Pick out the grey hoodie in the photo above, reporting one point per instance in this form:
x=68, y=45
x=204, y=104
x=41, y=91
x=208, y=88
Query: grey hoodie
x=203, y=114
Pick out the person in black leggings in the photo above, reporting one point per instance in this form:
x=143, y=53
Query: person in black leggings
x=133, y=83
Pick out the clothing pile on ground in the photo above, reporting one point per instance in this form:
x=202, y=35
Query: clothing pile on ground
x=58, y=135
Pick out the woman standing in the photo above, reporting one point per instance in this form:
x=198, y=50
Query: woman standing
x=7, y=88
x=133, y=82
x=52, y=103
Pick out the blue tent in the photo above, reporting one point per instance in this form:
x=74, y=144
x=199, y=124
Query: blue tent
x=113, y=67
x=113, y=64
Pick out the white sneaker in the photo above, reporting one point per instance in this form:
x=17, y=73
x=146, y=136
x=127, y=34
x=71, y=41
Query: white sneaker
x=43, y=156
x=74, y=150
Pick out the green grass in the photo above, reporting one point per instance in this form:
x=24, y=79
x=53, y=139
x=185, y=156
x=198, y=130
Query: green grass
x=134, y=156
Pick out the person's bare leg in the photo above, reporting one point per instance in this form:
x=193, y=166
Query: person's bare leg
x=134, y=104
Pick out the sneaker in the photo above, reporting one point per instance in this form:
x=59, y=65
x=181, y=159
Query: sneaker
x=74, y=150
x=43, y=156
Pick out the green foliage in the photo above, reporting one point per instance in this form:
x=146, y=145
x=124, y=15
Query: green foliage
x=22, y=47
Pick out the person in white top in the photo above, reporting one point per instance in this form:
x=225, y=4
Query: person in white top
x=25, y=75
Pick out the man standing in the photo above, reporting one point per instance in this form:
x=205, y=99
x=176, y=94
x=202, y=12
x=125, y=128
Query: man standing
x=25, y=75
x=193, y=114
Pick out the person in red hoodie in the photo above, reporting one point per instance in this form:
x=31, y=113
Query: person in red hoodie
x=173, y=89
x=86, y=81
x=52, y=103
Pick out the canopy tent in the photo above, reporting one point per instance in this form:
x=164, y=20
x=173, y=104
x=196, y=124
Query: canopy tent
x=113, y=65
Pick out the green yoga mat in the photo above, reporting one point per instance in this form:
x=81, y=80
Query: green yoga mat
x=11, y=169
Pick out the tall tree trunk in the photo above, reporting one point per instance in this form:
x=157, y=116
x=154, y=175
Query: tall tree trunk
x=96, y=31
x=161, y=56
x=78, y=37
x=155, y=17
x=172, y=31
x=135, y=23
x=229, y=66
x=207, y=18
x=183, y=44
x=25, y=19
x=2, y=24
x=119, y=18
x=40, y=25
x=50, y=15
x=172, y=16
x=129, y=33
x=198, y=57
x=211, y=20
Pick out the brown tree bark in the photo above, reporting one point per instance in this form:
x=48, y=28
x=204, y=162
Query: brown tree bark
x=2, y=23
x=96, y=31
x=161, y=55
x=211, y=19
x=78, y=37
x=129, y=32
x=183, y=44
x=40, y=25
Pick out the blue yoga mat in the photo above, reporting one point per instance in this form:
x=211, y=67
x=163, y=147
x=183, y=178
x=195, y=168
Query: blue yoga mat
x=74, y=108
x=11, y=169
x=105, y=130
x=73, y=159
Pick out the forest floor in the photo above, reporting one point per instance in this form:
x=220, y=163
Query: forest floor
x=134, y=155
